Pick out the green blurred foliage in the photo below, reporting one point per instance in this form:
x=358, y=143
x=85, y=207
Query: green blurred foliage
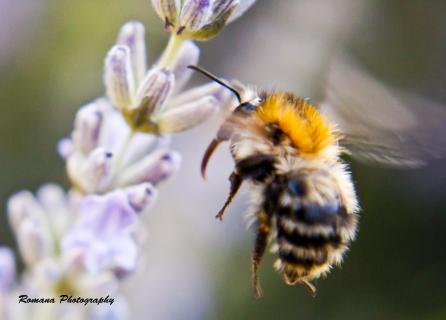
x=395, y=269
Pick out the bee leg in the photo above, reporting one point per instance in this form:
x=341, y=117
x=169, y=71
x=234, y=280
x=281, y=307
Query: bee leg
x=263, y=231
x=236, y=181
x=310, y=287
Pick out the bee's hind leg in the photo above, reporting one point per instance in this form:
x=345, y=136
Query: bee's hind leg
x=263, y=231
x=236, y=181
x=309, y=286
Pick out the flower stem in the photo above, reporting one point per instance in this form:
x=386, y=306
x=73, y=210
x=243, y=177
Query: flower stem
x=166, y=61
x=121, y=152
x=168, y=57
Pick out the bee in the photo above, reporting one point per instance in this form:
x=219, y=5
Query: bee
x=289, y=151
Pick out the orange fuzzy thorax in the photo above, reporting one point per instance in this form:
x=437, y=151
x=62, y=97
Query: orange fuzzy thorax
x=299, y=120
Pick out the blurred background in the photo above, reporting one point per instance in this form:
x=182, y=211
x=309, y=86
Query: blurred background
x=194, y=267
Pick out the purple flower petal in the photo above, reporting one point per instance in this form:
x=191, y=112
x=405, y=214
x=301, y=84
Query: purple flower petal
x=195, y=14
x=132, y=35
x=155, y=167
x=102, y=237
x=243, y=6
x=118, y=77
x=7, y=269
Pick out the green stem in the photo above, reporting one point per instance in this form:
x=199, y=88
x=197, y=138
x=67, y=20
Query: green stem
x=169, y=54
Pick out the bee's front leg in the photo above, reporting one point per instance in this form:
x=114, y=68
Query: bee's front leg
x=236, y=181
x=263, y=231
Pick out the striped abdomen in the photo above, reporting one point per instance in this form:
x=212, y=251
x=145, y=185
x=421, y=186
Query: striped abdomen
x=310, y=240
x=313, y=228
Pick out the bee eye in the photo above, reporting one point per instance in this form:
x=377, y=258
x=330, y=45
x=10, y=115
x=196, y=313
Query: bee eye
x=245, y=107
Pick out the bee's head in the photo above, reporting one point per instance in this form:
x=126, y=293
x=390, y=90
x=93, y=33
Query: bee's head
x=248, y=103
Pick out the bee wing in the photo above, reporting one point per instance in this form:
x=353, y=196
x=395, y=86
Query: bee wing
x=381, y=126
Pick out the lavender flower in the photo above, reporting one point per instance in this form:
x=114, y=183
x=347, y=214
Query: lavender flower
x=150, y=103
x=88, y=247
x=84, y=241
x=100, y=157
x=199, y=19
x=7, y=269
x=102, y=236
x=7, y=278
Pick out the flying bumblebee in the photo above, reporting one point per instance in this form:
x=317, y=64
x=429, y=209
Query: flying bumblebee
x=289, y=150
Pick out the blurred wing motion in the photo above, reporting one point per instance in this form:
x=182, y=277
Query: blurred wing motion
x=379, y=125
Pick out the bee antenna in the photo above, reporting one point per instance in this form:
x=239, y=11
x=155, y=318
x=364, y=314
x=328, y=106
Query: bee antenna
x=217, y=79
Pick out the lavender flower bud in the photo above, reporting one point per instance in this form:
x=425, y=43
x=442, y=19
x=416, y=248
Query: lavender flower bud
x=154, y=90
x=241, y=8
x=7, y=269
x=97, y=172
x=87, y=126
x=34, y=242
x=54, y=201
x=186, y=116
x=188, y=54
x=199, y=19
x=75, y=166
x=132, y=35
x=151, y=95
x=21, y=207
x=52, y=197
x=220, y=7
x=141, y=197
x=195, y=14
x=153, y=168
x=168, y=10
x=118, y=77
x=210, y=89
x=221, y=12
x=91, y=174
